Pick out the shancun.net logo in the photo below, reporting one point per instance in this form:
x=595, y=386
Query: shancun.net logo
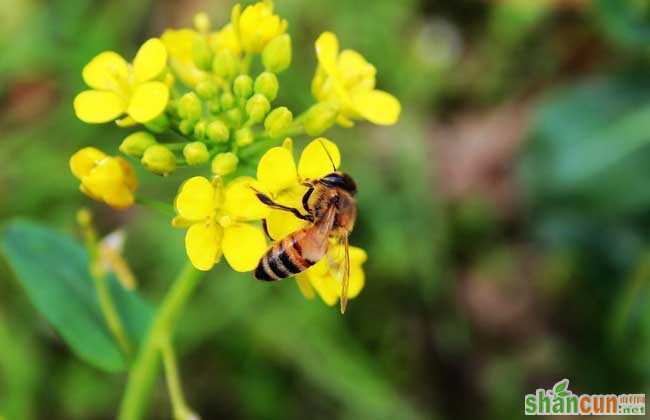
x=560, y=400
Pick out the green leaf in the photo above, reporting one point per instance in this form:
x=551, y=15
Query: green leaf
x=560, y=388
x=588, y=141
x=53, y=269
x=626, y=22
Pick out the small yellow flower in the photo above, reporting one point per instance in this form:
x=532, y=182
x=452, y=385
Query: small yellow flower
x=279, y=177
x=257, y=26
x=119, y=87
x=347, y=80
x=104, y=178
x=320, y=277
x=180, y=45
x=217, y=220
x=225, y=39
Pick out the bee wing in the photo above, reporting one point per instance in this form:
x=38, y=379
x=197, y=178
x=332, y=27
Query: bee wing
x=339, y=263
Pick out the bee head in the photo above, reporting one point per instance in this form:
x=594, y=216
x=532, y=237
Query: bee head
x=340, y=180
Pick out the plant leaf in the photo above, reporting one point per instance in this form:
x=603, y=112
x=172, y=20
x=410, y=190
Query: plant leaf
x=53, y=269
x=560, y=388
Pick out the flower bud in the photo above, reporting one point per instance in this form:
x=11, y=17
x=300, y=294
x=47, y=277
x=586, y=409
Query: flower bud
x=278, y=121
x=257, y=107
x=234, y=117
x=243, y=137
x=243, y=86
x=218, y=131
x=276, y=56
x=199, y=130
x=159, y=160
x=159, y=125
x=136, y=143
x=206, y=89
x=227, y=101
x=186, y=127
x=319, y=118
x=201, y=53
x=190, y=107
x=214, y=105
x=196, y=153
x=224, y=163
x=267, y=85
x=224, y=64
x=202, y=22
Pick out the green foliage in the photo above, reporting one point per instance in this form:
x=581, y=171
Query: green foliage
x=53, y=269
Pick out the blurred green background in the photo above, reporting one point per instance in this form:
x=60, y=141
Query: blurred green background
x=506, y=217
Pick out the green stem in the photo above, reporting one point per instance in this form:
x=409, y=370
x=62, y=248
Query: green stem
x=156, y=205
x=179, y=405
x=145, y=367
x=110, y=313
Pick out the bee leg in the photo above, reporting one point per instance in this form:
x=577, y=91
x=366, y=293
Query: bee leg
x=265, y=226
x=305, y=199
x=267, y=200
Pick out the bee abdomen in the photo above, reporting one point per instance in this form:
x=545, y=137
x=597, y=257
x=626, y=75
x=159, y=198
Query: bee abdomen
x=284, y=259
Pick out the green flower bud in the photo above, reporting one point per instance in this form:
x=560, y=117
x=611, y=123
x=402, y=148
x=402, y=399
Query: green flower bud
x=224, y=64
x=267, y=85
x=257, y=107
x=319, y=118
x=244, y=137
x=214, y=105
x=206, y=89
x=243, y=86
x=159, y=160
x=190, y=107
x=186, y=127
x=199, y=130
x=160, y=124
x=227, y=101
x=202, y=22
x=234, y=117
x=135, y=144
x=218, y=131
x=224, y=163
x=202, y=53
x=278, y=121
x=276, y=56
x=196, y=153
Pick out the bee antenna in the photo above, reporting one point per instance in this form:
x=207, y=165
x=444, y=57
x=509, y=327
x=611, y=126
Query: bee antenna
x=328, y=154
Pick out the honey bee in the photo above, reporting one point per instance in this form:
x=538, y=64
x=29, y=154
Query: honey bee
x=330, y=208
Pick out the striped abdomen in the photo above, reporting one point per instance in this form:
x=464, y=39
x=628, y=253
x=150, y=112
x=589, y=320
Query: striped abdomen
x=289, y=256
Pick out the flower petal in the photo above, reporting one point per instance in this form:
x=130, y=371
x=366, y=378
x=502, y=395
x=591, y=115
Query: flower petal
x=203, y=244
x=377, y=106
x=83, y=161
x=280, y=223
x=196, y=199
x=126, y=122
x=148, y=101
x=325, y=285
x=357, y=281
x=150, y=60
x=103, y=71
x=243, y=246
x=95, y=106
x=355, y=71
x=315, y=160
x=104, y=178
x=277, y=170
x=119, y=197
x=327, y=49
x=305, y=287
x=241, y=201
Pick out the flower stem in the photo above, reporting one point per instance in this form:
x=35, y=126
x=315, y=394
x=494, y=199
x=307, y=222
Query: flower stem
x=179, y=405
x=145, y=367
x=111, y=316
x=156, y=205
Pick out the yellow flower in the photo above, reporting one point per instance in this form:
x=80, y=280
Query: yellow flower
x=104, y=178
x=217, y=220
x=347, y=80
x=279, y=177
x=225, y=39
x=257, y=26
x=180, y=44
x=119, y=87
x=320, y=276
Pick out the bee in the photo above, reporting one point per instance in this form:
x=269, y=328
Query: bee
x=331, y=210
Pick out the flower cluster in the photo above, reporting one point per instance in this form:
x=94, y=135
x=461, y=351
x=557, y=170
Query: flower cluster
x=203, y=97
